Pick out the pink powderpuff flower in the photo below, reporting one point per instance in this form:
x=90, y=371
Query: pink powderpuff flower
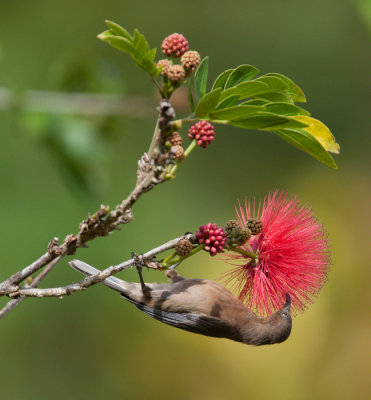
x=292, y=256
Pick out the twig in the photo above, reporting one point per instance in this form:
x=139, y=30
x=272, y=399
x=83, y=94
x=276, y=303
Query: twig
x=14, y=302
x=92, y=280
x=150, y=173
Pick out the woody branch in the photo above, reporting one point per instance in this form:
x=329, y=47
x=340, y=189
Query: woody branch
x=150, y=173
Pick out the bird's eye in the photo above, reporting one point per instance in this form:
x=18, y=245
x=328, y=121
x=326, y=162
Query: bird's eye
x=284, y=314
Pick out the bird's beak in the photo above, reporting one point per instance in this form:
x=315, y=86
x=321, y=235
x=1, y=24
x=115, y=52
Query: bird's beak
x=288, y=302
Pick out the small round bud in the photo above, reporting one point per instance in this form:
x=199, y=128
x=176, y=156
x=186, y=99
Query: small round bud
x=236, y=236
x=245, y=235
x=178, y=152
x=176, y=125
x=174, y=45
x=230, y=225
x=165, y=63
x=183, y=247
x=176, y=139
x=212, y=237
x=255, y=225
x=190, y=61
x=175, y=73
x=203, y=132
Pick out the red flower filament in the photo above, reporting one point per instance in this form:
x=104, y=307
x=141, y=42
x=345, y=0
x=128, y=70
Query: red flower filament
x=292, y=256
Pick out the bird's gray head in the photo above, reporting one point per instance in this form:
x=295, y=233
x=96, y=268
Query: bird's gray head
x=274, y=329
x=281, y=322
x=284, y=313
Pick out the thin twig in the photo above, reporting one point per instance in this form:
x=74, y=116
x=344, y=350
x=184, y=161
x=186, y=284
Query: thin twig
x=93, y=279
x=91, y=228
x=14, y=302
x=150, y=173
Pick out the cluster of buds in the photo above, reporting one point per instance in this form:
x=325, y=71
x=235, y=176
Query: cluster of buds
x=236, y=236
x=255, y=225
x=190, y=61
x=183, y=247
x=176, y=45
x=177, y=152
x=212, y=237
x=203, y=132
x=176, y=139
x=176, y=142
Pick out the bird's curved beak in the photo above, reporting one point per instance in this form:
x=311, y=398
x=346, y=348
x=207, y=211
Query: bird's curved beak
x=288, y=302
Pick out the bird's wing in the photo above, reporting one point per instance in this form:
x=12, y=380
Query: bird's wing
x=192, y=322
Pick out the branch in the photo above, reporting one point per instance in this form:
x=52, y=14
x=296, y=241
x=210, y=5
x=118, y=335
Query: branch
x=13, y=303
x=149, y=174
x=145, y=259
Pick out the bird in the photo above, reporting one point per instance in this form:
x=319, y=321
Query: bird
x=200, y=306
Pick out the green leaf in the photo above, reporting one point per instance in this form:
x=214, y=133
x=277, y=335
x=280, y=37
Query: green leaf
x=190, y=94
x=137, y=46
x=147, y=62
x=266, y=121
x=228, y=102
x=150, y=55
x=241, y=74
x=119, y=30
x=208, y=103
x=222, y=79
x=295, y=92
x=118, y=42
x=201, y=78
x=235, y=113
x=277, y=97
x=104, y=35
x=303, y=140
x=157, y=72
x=274, y=83
x=148, y=66
x=245, y=89
x=286, y=109
x=140, y=46
x=255, y=102
x=320, y=131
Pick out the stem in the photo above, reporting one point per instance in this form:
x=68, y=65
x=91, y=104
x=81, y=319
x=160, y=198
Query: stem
x=246, y=253
x=156, y=84
x=190, y=148
x=168, y=258
x=176, y=260
x=154, y=140
x=187, y=152
x=190, y=120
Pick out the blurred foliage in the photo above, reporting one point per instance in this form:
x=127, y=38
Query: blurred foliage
x=364, y=7
x=94, y=344
x=77, y=147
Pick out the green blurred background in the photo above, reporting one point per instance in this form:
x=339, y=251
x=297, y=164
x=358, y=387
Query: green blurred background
x=55, y=169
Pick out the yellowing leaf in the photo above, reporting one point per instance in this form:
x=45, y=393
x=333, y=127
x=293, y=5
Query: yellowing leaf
x=320, y=131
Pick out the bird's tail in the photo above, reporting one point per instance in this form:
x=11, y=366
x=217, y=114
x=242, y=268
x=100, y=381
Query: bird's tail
x=112, y=282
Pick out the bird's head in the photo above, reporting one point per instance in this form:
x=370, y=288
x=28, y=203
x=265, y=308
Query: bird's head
x=281, y=321
x=284, y=312
x=274, y=329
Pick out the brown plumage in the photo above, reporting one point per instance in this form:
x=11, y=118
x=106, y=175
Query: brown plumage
x=200, y=306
